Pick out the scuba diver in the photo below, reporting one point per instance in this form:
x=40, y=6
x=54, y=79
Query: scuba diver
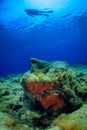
x=36, y=12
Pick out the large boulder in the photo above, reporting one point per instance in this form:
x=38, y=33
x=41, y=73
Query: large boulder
x=54, y=86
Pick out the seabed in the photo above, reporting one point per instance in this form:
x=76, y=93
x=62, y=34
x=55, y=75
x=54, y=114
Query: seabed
x=17, y=112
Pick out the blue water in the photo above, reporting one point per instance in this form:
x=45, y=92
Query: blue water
x=61, y=36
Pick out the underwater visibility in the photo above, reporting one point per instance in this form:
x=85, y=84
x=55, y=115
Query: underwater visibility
x=43, y=65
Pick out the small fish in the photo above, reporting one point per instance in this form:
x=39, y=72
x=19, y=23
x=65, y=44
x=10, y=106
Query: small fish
x=35, y=12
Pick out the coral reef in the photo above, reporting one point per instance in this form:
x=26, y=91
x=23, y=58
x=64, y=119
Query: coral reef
x=53, y=97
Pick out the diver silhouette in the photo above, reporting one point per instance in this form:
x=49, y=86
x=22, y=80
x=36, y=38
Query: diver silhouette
x=36, y=12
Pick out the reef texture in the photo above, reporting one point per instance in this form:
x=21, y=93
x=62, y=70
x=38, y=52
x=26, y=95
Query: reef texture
x=75, y=121
x=15, y=114
x=55, y=86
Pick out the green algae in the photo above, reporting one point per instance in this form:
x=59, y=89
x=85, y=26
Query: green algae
x=18, y=113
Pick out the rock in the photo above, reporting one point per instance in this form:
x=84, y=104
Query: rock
x=53, y=86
